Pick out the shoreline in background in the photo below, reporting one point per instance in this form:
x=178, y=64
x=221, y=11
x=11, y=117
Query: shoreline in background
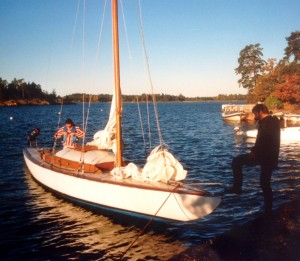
x=39, y=102
x=32, y=102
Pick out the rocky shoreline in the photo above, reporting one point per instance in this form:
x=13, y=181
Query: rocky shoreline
x=24, y=102
x=265, y=238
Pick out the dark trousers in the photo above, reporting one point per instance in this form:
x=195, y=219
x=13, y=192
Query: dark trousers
x=265, y=177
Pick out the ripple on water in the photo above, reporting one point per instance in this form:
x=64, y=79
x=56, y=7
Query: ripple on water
x=35, y=224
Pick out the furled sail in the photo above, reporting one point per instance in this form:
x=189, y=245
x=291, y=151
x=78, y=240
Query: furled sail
x=161, y=166
x=106, y=138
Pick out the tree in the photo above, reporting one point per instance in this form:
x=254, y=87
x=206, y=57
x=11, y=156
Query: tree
x=3, y=89
x=289, y=91
x=181, y=97
x=273, y=102
x=52, y=96
x=250, y=66
x=293, y=48
x=271, y=75
x=19, y=86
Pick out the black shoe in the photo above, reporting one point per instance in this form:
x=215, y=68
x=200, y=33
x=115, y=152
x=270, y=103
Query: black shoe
x=233, y=191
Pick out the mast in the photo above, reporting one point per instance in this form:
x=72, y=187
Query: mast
x=115, y=30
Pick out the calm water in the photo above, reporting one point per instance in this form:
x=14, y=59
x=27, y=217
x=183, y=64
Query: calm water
x=36, y=225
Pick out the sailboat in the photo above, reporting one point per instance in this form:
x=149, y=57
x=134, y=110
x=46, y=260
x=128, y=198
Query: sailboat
x=96, y=174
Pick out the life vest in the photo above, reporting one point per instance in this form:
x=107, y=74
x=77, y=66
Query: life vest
x=74, y=137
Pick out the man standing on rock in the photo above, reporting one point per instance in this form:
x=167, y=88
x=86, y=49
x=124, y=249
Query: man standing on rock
x=264, y=153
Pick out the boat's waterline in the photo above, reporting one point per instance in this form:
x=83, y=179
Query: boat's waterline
x=159, y=199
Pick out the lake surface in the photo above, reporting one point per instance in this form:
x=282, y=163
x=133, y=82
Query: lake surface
x=37, y=225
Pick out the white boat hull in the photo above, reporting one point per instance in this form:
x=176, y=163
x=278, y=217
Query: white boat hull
x=286, y=134
x=232, y=112
x=232, y=116
x=154, y=199
x=292, y=117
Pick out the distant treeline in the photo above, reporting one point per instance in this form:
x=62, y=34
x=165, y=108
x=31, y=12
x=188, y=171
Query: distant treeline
x=78, y=97
x=18, y=90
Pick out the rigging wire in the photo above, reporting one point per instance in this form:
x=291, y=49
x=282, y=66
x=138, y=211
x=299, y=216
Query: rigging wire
x=99, y=41
x=148, y=72
x=86, y=123
x=87, y=114
x=150, y=221
x=58, y=124
x=83, y=40
x=128, y=44
x=69, y=58
x=83, y=72
x=60, y=113
x=82, y=146
x=75, y=23
x=141, y=122
x=83, y=122
x=149, y=126
x=133, y=71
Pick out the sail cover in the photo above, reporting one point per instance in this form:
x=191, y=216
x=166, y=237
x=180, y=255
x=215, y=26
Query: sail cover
x=106, y=138
x=161, y=166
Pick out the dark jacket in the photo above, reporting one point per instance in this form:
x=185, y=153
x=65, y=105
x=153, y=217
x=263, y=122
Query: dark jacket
x=266, y=148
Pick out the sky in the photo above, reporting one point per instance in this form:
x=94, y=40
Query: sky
x=192, y=46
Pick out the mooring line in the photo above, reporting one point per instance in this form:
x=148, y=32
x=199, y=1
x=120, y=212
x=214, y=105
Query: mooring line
x=149, y=222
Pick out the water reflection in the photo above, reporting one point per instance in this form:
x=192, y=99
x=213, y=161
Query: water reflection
x=47, y=227
x=77, y=228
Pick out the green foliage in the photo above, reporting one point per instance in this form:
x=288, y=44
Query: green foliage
x=20, y=90
x=270, y=82
x=273, y=102
x=266, y=83
x=293, y=48
x=250, y=66
x=286, y=68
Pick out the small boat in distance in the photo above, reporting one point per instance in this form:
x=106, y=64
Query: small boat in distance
x=233, y=112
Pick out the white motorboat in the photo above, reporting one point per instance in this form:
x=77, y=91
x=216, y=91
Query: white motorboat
x=291, y=117
x=286, y=134
x=232, y=112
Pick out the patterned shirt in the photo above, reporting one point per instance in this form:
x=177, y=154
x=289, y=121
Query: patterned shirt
x=70, y=136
